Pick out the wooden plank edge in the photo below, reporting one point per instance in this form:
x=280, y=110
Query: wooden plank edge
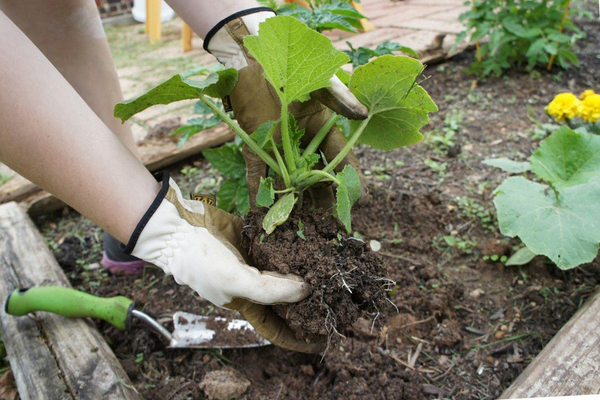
x=568, y=365
x=52, y=357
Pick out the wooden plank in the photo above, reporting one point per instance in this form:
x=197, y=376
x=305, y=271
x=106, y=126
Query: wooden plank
x=153, y=23
x=52, y=357
x=156, y=154
x=186, y=38
x=568, y=365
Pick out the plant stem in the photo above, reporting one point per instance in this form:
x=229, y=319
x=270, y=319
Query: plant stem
x=242, y=134
x=560, y=29
x=320, y=136
x=320, y=174
x=288, y=152
x=353, y=139
x=284, y=172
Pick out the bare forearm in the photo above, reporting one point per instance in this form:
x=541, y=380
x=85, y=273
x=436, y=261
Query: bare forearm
x=202, y=15
x=51, y=136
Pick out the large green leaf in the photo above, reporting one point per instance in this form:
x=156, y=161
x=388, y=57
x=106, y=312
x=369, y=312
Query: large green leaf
x=567, y=158
x=566, y=230
x=217, y=84
x=296, y=60
x=508, y=165
x=398, y=106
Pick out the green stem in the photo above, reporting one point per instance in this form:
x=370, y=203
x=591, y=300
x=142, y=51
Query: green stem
x=311, y=177
x=288, y=152
x=353, y=139
x=243, y=135
x=284, y=172
x=284, y=191
x=320, y=136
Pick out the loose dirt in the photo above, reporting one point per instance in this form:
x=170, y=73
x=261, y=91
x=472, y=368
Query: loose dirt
x=347, y=278
x=466, y=326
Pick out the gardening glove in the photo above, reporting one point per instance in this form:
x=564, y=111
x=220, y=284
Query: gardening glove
x=199, y=245
x=254, y=101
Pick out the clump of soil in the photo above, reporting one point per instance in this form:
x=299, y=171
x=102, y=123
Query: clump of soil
x=347, y=278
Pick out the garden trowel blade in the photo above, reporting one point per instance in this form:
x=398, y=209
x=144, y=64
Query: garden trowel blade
x=203, y=332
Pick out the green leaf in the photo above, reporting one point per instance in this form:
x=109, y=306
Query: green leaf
x=233, y=196
x=266, y=192
x=508, y=165
x=227, y=159
x=217, y=84
x=398, y=106
x=300, y=231
x=279, y=213
x=264, y=133
x=521, y=257
x=348, y=192
x=567, y=158
x=566, y=231
x=513, y=25
x=296, y=60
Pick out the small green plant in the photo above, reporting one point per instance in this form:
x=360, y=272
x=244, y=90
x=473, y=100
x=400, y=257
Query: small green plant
x=559, y=217
x=462, y=245
x=362, y=55
x=442, y=141
x=323, y=15
x=233, y=193
x=397, y=108
x=4, y=178
x=522, y=34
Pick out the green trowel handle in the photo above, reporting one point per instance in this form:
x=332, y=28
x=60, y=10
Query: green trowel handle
x=70, y=303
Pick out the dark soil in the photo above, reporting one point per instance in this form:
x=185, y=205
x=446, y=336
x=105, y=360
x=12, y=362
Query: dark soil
x=347, y=278
x=466, y=327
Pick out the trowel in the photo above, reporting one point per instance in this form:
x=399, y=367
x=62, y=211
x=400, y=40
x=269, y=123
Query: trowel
x=190, y=330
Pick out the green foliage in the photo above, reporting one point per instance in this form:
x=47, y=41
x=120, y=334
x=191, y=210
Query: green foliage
x=362, y=55
x=521, y=33
x=508, y=165
x=560, y=218
x=398, y=106
x=297, y=61
x=325, y=15
x=233, y=193
x=278, y=49
x=4, y=178
x=206, y=119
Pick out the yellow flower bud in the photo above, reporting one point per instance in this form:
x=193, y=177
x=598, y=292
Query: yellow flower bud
x=564, y=106
x=589, y=109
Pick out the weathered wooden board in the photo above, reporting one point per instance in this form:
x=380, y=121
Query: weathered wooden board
x=156, y=154
x=570, y=364
x=52, y=357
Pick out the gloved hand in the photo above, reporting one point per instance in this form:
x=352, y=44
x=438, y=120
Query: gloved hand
x=199, y=245
x=254, y=101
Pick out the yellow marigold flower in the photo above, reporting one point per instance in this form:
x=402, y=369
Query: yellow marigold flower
x=585, y=94
x=589, y=109
x=564, y=106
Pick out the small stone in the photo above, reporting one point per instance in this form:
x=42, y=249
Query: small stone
x=224, y=384
x=375, y=245
x=477, y=293
x=499, y=335
x=504, y=328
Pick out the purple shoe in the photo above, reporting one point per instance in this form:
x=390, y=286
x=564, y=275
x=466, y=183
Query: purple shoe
x=116, y=261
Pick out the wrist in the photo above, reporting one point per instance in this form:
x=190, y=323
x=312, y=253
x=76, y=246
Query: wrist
x=225, y=39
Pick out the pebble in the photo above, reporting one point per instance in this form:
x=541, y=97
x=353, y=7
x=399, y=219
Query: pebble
x=477, y=293
x=499, y=335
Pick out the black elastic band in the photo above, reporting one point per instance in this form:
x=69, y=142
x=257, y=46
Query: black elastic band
x=162, y=177
x=238, y=14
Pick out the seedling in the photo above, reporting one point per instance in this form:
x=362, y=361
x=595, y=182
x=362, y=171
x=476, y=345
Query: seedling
x=297, y=61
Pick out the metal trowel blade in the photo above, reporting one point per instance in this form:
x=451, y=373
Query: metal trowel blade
x=203, y=332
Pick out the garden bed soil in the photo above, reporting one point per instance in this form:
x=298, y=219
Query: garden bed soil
x=466, y=326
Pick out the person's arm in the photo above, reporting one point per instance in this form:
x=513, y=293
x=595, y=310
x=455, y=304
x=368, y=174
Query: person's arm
x=50, y=135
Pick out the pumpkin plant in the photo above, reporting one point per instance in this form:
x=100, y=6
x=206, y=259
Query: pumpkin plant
x=397, y=109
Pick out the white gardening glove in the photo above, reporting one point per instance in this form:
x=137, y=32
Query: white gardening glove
x=187, y=239
x=200, y=246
